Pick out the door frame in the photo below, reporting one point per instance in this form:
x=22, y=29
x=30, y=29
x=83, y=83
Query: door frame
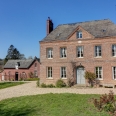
x=76, y=72
x=16, y=76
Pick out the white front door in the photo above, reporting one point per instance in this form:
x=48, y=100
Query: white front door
x=80, y=75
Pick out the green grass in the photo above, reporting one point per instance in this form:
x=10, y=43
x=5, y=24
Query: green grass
x=9, y=84
x=50, y=105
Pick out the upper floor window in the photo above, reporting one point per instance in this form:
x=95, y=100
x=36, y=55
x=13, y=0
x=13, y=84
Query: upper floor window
x=63, y=52
x=63, y=72
x=99, y=72
x=49, y=72
x=80, y=51
x=49, y=53
x=97, y=51
x=114, y=50
x=79, y=34
x=35, y=64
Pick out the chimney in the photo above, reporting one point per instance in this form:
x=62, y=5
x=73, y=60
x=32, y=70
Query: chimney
x=49, y=25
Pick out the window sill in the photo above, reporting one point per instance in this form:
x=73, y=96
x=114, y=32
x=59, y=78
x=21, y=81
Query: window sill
x=49, y=78
x=99, y=79
x=64, y=78
x=64, y=58
x=80, y=57
x=49, y=58
x=98, y=57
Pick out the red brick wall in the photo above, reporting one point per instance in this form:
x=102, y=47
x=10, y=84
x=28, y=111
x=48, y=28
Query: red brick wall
x=32, y=68
x=89, y=61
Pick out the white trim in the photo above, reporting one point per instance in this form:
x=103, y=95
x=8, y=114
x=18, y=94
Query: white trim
x=63, y=52
x=50, y=72
x=98, y=73
x=61, y=72
x=113, y=72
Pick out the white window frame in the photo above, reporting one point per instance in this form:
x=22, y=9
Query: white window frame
x=63, y=72
x=49, y=53
x=114, y=48
x=49, y=72
x=97, y=51
x=99, y=71
x=80, y=50
x=79, y=34
x=63, y=52
x=113, y=72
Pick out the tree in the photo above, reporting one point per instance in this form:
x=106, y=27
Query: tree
x=13, y=53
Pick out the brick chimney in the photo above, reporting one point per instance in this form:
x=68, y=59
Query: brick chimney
x=49, y=25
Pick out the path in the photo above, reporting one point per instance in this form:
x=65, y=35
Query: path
x=31, y=89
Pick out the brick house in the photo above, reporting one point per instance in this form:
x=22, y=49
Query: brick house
x=20, y=69
x=71, y=49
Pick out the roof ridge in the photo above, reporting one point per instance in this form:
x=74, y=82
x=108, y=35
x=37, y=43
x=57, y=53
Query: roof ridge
x=85, y=22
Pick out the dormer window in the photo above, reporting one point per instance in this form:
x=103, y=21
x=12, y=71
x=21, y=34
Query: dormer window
x=17, y=65
x=79, y=34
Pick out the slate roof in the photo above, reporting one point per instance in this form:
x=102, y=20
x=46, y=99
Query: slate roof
x=98, y=28
x=23, y=63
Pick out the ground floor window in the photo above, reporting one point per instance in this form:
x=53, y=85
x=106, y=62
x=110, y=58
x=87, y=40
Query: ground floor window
x=63, y=72
x=49, y=72
x=98, y=71
x=114, y=72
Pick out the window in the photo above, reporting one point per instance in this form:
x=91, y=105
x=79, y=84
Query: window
x=49, y=53
x=49, y=72
x=99, y=72
x=35, y=64
x=97, y=51
x=79, y=34
x=63, y=72
x=80, y=51
x=114, y=72
x=35, y=73
x=63, y=52
x=113, y=50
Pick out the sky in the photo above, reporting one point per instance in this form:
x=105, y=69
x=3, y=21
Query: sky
x=23, y=22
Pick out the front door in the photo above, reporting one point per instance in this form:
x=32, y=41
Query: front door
x=80, y=75
x=16, y=76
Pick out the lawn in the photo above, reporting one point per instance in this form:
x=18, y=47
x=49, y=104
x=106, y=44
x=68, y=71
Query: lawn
x=50, y=105
x=9, y=84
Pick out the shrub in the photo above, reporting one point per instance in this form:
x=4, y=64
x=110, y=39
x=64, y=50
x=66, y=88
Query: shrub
x=106, y=102
x=90, y=77
x=70, y=82
x=50, y=86
x=38, y=82
x=43, y=85
x=60, y=83
x=32, y=79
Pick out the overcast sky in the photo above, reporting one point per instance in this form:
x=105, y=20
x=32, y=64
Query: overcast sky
x=23, y=22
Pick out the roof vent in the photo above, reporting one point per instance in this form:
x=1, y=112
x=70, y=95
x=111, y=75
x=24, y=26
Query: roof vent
x=58, y=34
x=103, y=30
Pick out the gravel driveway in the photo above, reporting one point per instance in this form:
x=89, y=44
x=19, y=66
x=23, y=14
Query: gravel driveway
x=31, y=89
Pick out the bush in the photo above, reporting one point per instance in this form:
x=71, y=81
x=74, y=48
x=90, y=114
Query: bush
x=43, y=85
x=50, y=86
x=91, y=77
x=60, y=83
x=38, y=82
x=106, y=102
x=32, y=79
